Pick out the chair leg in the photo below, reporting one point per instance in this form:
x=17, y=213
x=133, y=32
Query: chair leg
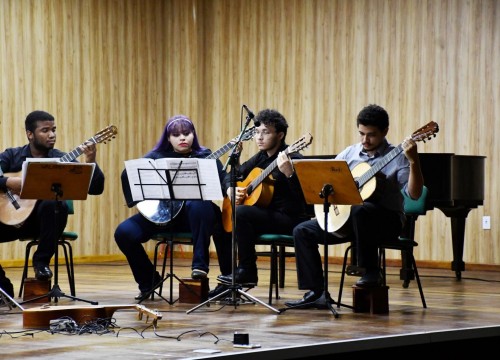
x=274, y=274
x=417, y=277
x=406, y=273
x=155, y=260
x=342, y=276
x=66, y=260
x=72, y=270
x=382, y=264
x=26, y=262
x=68, y=257
x=282, y=258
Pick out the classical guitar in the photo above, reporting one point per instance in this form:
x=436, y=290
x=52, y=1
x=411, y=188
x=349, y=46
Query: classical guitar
x=258, y=183
x=364, y=175
x=162, y=211
x=14, y=210
x=39, y=317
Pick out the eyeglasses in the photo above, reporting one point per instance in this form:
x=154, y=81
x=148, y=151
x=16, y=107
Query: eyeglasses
x=263, y=133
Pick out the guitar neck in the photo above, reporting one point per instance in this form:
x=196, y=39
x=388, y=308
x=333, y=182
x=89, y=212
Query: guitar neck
x=221, y=151
x=247, y=135
x=363, y=179
x=256, y=182
x=73, y=154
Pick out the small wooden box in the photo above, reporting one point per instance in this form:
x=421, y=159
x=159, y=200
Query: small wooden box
x=34, y=288
x=193, y=291
x=374, y=300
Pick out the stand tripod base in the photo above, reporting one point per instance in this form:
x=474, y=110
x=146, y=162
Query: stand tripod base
x=56, y=293
x=237, y=295
x=5, y=299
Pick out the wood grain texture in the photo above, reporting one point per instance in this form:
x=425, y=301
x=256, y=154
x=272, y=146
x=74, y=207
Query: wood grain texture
x=136, y=63
x=453, y=307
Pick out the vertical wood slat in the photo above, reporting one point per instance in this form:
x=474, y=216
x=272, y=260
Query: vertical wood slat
x=134, y=64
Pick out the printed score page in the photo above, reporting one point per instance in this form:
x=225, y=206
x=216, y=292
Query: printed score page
x=190, y=179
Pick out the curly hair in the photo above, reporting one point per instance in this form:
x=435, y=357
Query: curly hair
x=373, y=115
x=274, y=118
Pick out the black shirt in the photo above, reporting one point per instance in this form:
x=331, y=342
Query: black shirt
x=287, y=196
x=11, y=161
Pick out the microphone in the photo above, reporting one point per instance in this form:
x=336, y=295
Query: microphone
x=251, y=115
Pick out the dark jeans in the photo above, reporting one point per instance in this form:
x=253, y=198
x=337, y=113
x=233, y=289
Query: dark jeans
x=369, y=225
x=43, y=223
x=201, y=218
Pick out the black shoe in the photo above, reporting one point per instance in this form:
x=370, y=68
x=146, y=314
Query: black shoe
x=198, y=274
x=42, y=272
x=311, y=299
x=370, y=279
x=243, y=276
x=219, y=289
x=142, y=295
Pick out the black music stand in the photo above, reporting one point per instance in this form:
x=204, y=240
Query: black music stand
x=8, y=301
x=48, y=180
x=235, y=289
x=335, y=183
x=175, y=180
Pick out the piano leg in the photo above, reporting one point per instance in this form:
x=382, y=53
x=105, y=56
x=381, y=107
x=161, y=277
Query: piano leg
x=458, y=217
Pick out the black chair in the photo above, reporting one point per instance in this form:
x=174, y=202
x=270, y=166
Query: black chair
x=169, y=240
x=64, y=242
x=278, y=254
x=404, y=243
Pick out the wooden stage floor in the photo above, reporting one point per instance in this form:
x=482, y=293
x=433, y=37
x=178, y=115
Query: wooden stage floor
x=457, y=311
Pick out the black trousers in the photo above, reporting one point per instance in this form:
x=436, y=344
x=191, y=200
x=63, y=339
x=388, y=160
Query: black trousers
x=252, y=221
x=368, y=224
x=43, y=223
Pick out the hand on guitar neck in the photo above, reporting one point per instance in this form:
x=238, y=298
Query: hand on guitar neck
x=13, y=210
x=257, y=188
x=365, y=176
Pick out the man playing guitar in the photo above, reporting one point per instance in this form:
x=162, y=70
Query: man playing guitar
x=277, y=209
x=381, y=215
x=40, y=215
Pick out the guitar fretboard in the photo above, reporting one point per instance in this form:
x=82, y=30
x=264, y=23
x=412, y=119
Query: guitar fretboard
x=76, y=152
x=363, y=179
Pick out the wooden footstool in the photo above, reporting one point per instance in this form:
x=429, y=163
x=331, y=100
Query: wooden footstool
x=374, y=300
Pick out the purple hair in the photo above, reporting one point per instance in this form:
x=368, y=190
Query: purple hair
x=176, y=125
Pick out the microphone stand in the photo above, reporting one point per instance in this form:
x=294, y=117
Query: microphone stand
x=234, y=288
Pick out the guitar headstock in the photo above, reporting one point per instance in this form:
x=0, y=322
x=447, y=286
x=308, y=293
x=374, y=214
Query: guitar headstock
x=247, y=135
x=105, y=134
x=426, y=132
x=304, y=141
x=156, y=315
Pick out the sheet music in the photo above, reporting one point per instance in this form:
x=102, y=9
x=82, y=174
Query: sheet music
x=48, y=160
x=149, y=179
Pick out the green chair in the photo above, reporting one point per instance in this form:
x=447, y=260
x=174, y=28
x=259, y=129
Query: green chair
x=278, y=255
x=405, y=243
x=64, y=242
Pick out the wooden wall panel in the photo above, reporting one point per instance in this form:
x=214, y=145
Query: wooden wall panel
x=135, y=63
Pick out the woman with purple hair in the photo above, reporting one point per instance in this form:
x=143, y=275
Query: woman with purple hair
x=200, y=217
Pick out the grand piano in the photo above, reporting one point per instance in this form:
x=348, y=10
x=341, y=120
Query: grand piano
x=456, y=185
